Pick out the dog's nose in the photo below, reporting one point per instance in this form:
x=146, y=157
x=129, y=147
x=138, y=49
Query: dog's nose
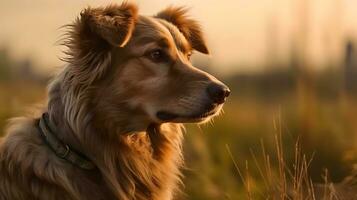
x=218, y=92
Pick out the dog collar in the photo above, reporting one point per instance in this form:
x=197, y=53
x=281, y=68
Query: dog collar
x=61, y=150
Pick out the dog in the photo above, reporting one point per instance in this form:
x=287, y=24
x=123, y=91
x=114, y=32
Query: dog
x=112, y=127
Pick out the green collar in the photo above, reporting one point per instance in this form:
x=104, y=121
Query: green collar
x=63, y=151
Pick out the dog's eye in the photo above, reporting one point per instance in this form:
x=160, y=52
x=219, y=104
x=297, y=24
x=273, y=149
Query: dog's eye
x=157, y=55
x=189, y=56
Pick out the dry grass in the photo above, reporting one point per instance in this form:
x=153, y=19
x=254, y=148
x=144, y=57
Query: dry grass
x=284, y=182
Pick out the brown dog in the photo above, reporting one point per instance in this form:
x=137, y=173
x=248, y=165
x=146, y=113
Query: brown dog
x=112, y=125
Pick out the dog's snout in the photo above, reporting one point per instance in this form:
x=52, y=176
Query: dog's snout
x=218, y=92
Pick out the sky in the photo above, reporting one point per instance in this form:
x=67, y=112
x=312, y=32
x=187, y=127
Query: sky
x=242, y=34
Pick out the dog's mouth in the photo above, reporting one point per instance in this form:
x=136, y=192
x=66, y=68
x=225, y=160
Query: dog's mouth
x=168, y=116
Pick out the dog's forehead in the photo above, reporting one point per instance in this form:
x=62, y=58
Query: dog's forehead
x=151, y=29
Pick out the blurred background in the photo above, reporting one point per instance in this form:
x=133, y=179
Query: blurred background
x=288, y=61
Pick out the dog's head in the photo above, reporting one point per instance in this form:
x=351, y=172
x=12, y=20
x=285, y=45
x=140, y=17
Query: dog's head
x=141, y=64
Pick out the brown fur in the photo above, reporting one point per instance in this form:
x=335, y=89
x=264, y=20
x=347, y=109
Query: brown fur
x=104, y=103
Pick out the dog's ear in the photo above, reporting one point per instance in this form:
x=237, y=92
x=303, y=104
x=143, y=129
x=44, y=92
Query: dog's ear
x=188, y=27
x=90, y=39
x=114, y=23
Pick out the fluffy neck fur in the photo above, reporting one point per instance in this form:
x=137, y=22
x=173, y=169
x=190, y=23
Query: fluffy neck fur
x=138, y=164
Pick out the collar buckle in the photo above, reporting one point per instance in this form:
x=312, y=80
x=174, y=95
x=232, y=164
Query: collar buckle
x=65, y=154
